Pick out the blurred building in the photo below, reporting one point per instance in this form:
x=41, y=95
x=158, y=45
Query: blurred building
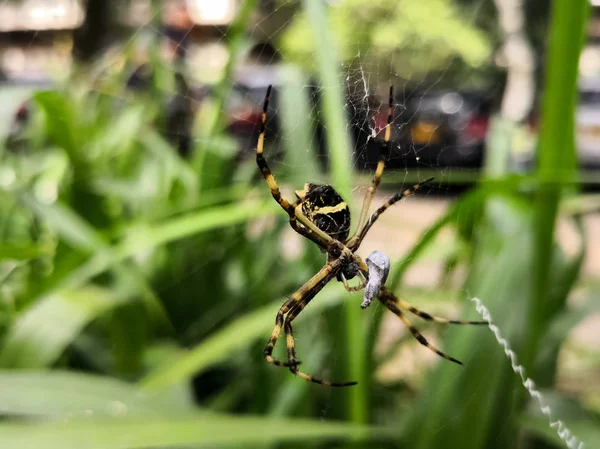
x=36, y=36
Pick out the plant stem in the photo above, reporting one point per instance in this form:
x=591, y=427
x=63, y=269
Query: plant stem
x=340, y=163
x=557, y=164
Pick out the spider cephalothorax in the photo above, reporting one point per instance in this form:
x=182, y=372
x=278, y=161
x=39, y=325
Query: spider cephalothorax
x=321, y=215
x=323, y=206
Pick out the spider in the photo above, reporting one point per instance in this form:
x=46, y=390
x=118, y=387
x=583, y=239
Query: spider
x=320, y=214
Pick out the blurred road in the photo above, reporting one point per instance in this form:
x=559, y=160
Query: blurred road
x=398, y=230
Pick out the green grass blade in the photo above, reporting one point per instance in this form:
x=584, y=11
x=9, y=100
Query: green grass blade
x=10, y=251
x=556, y=152
x=486, y=373
x=61, y=123
x=462, y=210
x=73, y=229
x=145, y=237
x=296, y=122
x=332, y=98
x=157, y=145
x=338, y=144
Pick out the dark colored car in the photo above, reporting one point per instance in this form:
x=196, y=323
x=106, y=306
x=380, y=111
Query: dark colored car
x=430, y=129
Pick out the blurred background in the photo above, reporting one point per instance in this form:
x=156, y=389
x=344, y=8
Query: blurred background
x=143, y=260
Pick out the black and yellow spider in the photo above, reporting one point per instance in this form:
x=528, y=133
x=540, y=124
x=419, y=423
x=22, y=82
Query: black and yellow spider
x=320, y=214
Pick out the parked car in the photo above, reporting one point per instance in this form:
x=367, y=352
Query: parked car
x=434, y=129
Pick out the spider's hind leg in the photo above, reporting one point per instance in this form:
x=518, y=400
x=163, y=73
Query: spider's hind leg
x=424, y=315
x=291, y=347
x=388, y=301
x=295, y=304
x=268, y=352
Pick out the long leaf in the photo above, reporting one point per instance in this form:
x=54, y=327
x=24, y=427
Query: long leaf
x=56, y=394
x=339, y=154
x=556, y=153
x=174, y=431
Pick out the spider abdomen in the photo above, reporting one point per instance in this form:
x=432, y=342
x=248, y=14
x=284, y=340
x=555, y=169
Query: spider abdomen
x=323, y=206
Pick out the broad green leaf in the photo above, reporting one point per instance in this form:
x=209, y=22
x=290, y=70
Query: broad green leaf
x=505, y=245
x=42, y=332
x=63, y=393
x=176, y=431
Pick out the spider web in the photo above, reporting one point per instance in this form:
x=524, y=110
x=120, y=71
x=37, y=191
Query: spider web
x=299, y=128
x=364, y=80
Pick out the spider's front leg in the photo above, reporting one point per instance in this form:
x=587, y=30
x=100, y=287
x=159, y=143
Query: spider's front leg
x=365, y=224
x=262, y=163
x=383, y=156
x=357, y=239
x=353, y=266
x=307, y=229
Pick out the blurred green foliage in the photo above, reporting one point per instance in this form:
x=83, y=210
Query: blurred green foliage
x=138, y=288
x=413, y=38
